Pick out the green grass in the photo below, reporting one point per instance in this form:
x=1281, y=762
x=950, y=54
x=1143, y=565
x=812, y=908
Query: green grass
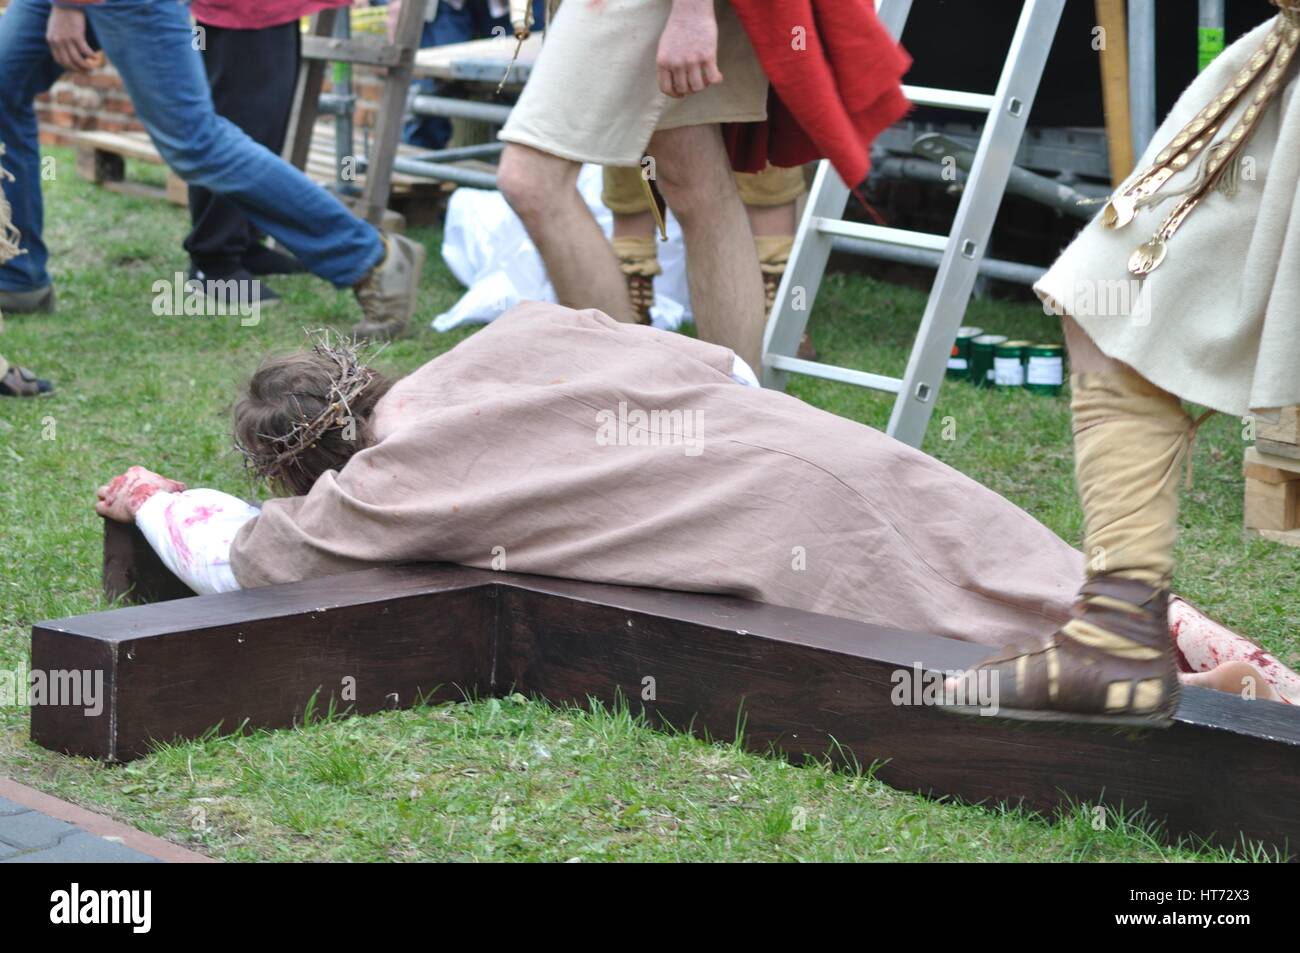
x=511, y=778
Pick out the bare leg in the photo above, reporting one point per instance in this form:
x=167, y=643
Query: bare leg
x=1085, y=356
x=774, y=220
x=542, y=189
x=635, y=225
x=695, y=177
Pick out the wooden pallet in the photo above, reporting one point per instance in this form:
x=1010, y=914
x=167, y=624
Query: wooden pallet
x=1272, y=470
x=101, y=158
x=790, y=682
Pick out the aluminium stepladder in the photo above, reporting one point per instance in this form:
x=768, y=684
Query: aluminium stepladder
x=962, y=249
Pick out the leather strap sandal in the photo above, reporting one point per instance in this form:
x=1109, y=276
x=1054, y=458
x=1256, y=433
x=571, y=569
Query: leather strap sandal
x=20, y=382
x=1111, y=664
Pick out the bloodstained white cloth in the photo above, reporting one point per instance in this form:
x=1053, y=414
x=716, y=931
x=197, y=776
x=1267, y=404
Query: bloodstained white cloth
x=191, y=532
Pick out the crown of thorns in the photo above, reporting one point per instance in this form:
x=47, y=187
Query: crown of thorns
x=350, y=376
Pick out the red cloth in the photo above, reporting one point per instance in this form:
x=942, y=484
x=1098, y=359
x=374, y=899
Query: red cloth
x=257, y=14
x=828, y=99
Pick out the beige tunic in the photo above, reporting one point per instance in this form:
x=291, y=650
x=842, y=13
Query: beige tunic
x=1218, y=323
x=522, y=448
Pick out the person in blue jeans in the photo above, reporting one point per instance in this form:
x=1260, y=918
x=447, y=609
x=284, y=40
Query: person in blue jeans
x=150, y=42
x=457, y=21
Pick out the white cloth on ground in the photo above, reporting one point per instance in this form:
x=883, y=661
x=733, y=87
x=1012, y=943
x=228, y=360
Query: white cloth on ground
x=488, y=249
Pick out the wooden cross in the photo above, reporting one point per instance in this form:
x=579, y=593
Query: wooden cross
x=795, y=683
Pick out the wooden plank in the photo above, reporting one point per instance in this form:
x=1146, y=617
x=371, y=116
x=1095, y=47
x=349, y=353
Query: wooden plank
x=798, y=683
x=1286, y=429
x=1285, y=537
x=255, y=659
x=1114, y=87
x=127, y=145
x=1278, y=449
x=132, y=570
x=1272, y=506
x=1269, y=468
x=362, y=50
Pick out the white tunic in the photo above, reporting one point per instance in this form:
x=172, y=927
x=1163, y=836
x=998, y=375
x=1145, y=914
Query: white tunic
x=1218, y=322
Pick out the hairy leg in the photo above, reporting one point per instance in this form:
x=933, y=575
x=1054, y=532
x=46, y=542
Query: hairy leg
x=695, y=177
x=542, y=189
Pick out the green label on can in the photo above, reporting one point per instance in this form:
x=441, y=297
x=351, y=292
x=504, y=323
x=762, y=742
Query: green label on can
x=1209, y=44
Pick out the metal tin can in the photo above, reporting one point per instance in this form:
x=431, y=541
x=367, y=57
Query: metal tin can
x=959, y=359
x=1009, y=364
x=981, y=358
x=1044, y=368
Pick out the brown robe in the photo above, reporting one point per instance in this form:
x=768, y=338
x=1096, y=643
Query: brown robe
x=510, y=451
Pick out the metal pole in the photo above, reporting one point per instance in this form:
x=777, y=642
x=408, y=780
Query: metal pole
x=989, y=267
x=1142, y=71
x=460, y=109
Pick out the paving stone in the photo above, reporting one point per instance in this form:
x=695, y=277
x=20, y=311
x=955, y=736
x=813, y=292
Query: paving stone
x=83, y=848
x=9, y=807
x=7, y=851
x=32, y=829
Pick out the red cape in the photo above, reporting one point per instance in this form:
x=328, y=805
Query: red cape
x=836, y=84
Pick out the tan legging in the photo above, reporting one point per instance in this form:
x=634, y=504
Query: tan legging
x=623, y=193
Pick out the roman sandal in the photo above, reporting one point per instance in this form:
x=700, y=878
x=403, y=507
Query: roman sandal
x=1111, y=663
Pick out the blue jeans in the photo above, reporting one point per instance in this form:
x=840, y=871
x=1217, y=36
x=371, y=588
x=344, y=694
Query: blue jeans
x=470, y=22
x=150, y=43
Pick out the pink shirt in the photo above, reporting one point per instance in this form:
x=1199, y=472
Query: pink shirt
x=257, y=14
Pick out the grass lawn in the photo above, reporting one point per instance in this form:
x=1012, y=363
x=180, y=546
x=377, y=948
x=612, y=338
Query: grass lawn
x=510, y=778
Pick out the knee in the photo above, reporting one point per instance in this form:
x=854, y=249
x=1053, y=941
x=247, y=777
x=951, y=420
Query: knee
x=692, y=191
x=194, y=159
x=533, y=182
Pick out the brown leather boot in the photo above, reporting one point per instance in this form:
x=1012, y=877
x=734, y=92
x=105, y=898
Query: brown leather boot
x=638, y=260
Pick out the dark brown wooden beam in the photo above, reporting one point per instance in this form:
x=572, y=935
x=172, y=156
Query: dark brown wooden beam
x=796, y=683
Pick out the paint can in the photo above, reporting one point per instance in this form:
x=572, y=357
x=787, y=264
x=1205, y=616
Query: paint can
x=959, y=359
x=1044, y=368
x=981, y=358
x=1009, y=364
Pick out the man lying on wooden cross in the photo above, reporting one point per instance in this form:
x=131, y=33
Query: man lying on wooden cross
x=564, y=443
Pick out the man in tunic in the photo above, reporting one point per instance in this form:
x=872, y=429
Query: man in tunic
x=1184, y=288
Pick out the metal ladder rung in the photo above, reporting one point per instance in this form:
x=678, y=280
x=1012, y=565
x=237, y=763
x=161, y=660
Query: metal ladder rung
x=831, y=372
x=880, y=233
x=950, y=98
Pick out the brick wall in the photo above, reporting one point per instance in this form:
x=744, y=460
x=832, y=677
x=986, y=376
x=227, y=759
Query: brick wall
x=97, y=101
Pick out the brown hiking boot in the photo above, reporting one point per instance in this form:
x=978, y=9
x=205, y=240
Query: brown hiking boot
x=388, y=294
x=1112, y=663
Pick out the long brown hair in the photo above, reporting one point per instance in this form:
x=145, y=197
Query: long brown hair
x=305, y=413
